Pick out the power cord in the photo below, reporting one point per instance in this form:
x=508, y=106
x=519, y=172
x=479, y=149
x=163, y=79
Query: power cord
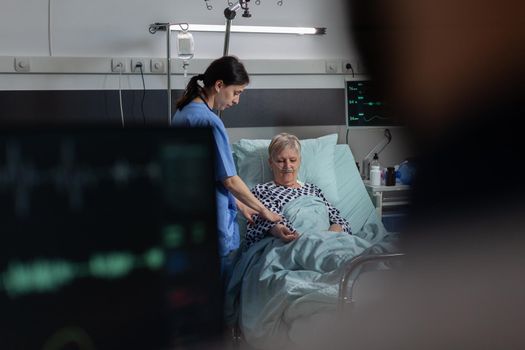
x=120, y=94
x=349, y=67
x=49, y=21
x=143, y=93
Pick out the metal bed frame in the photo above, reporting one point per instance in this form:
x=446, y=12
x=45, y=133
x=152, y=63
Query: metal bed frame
x=345, y=297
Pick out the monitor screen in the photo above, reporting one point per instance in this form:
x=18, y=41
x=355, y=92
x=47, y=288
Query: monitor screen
x=108, y=239
x=364, y=107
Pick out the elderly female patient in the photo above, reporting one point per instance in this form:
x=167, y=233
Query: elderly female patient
x=285, y=160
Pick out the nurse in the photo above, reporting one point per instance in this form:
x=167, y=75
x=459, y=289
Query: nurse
x=217, y=89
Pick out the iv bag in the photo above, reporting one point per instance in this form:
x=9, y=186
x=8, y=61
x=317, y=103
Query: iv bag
x=185, y=45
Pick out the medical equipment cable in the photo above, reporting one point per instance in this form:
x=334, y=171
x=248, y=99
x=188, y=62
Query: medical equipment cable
x=206, y=103
x=143, y=95
x=347, y=130
x=120, y=95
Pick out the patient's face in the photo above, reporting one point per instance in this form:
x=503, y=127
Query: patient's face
x=285, y=167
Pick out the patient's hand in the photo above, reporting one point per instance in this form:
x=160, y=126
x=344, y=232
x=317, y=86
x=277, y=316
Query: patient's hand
x=284, y=233
x=335, y=228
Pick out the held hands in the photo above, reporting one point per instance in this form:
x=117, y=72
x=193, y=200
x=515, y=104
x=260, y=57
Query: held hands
x=270, y=215
x=247, y=212
x=284, y=233
x=335, y=228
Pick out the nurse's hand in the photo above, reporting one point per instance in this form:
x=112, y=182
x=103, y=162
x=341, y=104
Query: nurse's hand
x=270, y=215
x=246, y=211
x=284, y=233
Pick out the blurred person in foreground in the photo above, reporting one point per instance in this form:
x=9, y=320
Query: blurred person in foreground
x=453, y=72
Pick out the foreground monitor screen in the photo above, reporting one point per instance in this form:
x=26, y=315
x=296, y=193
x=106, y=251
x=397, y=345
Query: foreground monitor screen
x=108, y=239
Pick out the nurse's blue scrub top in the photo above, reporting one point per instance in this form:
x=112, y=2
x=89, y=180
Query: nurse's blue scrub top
x=199, y=115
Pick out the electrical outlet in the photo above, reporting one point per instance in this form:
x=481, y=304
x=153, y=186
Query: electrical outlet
x=135, y=63
x=118, y=65
x=349, y=67
x=332, y=67
x=157, y=65
x=22, y=64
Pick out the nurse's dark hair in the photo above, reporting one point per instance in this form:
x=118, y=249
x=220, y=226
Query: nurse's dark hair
x=227, y=68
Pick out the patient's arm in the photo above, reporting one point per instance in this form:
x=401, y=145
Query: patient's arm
x=261, y=227
x=334, y=215
x=240, y=191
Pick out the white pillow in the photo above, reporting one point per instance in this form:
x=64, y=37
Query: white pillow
x=317, y=163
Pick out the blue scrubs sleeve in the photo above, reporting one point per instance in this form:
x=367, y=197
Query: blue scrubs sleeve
x=224, y=165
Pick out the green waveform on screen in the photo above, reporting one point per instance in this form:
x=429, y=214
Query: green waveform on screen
x=46, y=275
x=50, y=275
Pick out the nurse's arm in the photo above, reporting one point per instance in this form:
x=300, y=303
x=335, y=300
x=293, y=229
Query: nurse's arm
x=246, y=211
x=238, y=188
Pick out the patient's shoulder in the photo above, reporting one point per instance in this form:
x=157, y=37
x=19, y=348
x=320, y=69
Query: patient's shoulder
x=313, y=189
x=310, y=186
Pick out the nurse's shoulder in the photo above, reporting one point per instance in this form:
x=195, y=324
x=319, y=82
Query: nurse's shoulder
x=195, y=114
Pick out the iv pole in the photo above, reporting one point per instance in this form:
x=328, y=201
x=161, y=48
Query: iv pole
x=153, y=28
x=229, y=14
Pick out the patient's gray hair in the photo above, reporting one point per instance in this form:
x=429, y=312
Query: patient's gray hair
x=282, y=141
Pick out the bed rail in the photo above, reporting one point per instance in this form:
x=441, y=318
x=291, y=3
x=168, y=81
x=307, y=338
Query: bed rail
x=353, y=265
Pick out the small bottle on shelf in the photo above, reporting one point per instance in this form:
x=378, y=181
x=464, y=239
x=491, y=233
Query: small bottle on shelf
x=375, y=171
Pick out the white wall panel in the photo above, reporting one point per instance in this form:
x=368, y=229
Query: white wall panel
x=119, y=28
x=23, y=27
x=110, y=82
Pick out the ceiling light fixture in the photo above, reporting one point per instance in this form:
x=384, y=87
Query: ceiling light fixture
x=221, y=28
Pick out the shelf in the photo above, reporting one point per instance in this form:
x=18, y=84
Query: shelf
x=395, y=203
x=388, y=197
x=383, y=188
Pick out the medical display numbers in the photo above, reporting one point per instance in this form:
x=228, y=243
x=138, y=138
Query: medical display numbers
x=364, y=106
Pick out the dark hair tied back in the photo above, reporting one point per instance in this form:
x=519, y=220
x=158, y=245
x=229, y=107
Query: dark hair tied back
x=228, y=69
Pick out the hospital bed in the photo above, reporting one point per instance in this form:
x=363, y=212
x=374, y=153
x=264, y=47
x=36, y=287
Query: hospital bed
x=346, y=191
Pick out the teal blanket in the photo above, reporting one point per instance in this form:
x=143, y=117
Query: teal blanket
x=275, y=284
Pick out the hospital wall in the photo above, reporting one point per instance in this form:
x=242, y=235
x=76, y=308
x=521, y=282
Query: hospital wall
x=70, y=44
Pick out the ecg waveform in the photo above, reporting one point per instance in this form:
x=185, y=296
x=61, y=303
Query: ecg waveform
x=49, y=275
x=22, y=176
x=366, y=106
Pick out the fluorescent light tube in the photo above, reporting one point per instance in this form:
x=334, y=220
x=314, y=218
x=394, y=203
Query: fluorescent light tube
x=251, y=29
